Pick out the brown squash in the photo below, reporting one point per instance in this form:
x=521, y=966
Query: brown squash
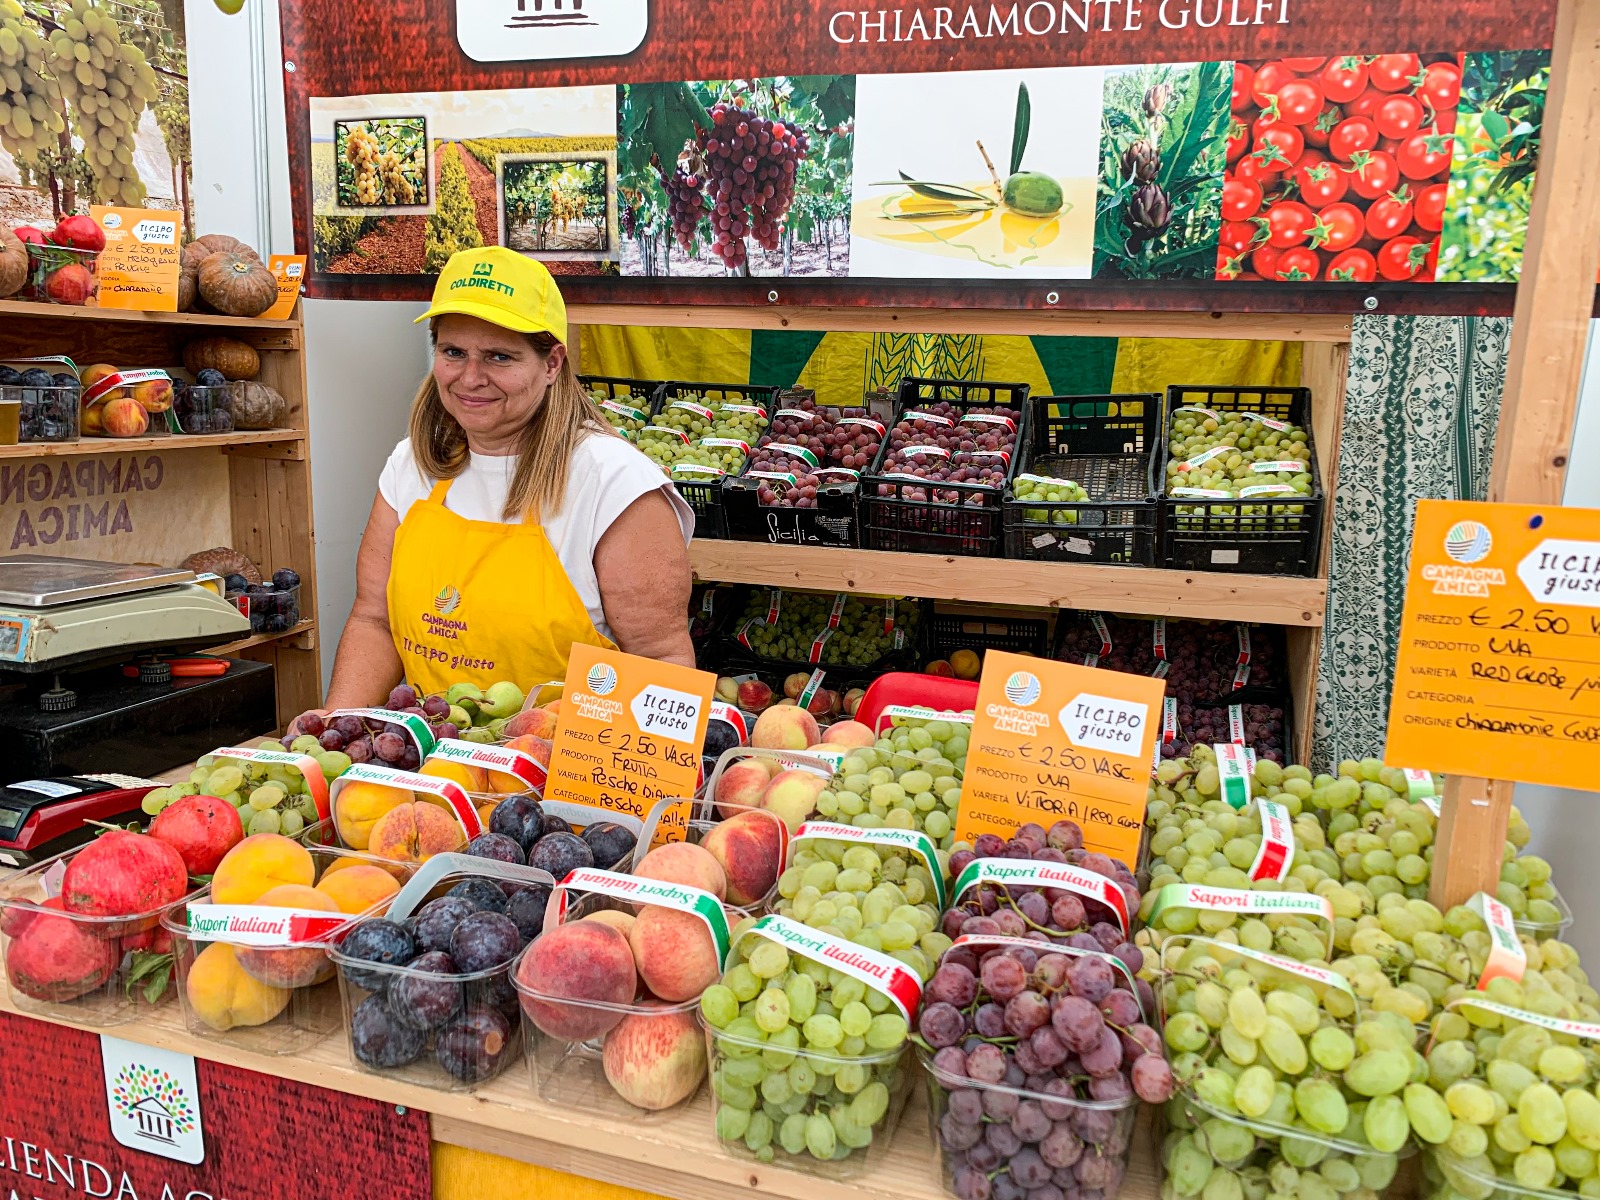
x=195, y=253
x=235, y=359
x=13, y=264
x=223, y=560
x=237, y=284
x=256, y=406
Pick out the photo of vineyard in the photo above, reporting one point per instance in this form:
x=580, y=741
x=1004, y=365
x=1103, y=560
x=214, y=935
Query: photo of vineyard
x=737, y=177
x=94, y=108
x=555, y=204
x=468, y=135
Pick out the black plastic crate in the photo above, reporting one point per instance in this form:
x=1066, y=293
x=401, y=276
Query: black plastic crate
x=637, y=394
x=894, y=517
x=1109, y=445
x=704, y=496
x=1016, y=635
x=1215, y=535
x=1197, y=721
x=749, y=599
x=831, y=523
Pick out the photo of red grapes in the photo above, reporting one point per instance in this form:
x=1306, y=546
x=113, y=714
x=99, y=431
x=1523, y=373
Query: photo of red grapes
x=1338, y=168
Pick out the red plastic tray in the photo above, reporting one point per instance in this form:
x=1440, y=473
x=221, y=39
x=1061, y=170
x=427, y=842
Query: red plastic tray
x=938, y=692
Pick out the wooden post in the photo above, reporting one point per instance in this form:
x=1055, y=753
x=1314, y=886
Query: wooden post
x=1549, y=332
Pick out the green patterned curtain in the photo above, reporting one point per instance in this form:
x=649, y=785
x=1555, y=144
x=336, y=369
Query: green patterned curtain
x=1420, y=412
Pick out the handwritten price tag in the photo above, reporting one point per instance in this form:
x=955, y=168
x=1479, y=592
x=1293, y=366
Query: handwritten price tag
x=138, y=268
x=290, y=271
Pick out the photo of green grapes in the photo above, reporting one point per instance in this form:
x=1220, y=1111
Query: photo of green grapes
x=382, y=163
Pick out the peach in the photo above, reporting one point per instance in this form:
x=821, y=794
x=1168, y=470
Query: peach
x=588, y=961
x=416, y=832
x=749, y=845
x=742, y=784
x=620, y=921
x=535, y=721
x=792, y=796
x=357, y=888
x=848, y=734
x=125, y=417
x=553, y=708
x=794, y=684
x=400, y=872
x=852, y=701
x=223, y=996
x=92, y=419
x=656, y=1058
x=754, y=696
x=686, y=864
x=301, y=966
x=939, y=667
x=258, y=864
x=674, y=953
x=966, y=664
x=535, y=747
x=93, y=375
x=154, y=395
x=823, y=702
x=785, y=727
x=360, y=805
x=470, y=779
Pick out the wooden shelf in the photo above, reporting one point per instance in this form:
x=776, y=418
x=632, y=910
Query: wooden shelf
x=672, y=1155
x=1142, y=591
x=176, y=441
x=298, y=630
x=71, y=312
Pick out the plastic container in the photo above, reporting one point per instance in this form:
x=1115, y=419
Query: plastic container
x=275, y=610
x=287, y=989
x=93, y=976
x=1106, y=444
x=201, y=410
x=623, y=400
x=1548, y=929
x=703, y=818
x=833, y=522
x=1215, y=535
x=61, y=275
x=44, y=414
x=892, y=518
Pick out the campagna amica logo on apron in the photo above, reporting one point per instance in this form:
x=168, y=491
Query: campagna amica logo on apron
x=447, y=601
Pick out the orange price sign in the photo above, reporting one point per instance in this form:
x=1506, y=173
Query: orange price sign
x=1053, y=741
x=1498, y=673
x=290, y=272
x=630, y=734
x=138, y=268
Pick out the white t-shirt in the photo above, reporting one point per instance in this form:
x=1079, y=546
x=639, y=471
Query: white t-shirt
x=605, y=476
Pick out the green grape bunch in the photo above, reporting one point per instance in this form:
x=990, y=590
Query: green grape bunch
x=620, y=412
x=31, y=106
x=909, y=779
x=269, y=797
x=858, y=640
x=805, y=1060
x=1028, y=488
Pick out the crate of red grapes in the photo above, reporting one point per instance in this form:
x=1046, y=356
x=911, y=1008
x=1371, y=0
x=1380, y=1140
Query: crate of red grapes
x=1239, y=491
x=941, y=474
x=1084, y=489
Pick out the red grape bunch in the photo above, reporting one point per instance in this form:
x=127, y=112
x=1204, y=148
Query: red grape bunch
x=750, y=163
x=844, y=445
x=685, y=204
x=941, y=443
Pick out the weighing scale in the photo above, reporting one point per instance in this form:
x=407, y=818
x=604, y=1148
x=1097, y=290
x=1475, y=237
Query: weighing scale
x=67, y=628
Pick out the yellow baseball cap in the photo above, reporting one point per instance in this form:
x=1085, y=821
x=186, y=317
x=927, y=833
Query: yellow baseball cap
x=502, y=287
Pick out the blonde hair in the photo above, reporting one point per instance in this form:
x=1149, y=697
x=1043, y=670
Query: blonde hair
x=564, y=418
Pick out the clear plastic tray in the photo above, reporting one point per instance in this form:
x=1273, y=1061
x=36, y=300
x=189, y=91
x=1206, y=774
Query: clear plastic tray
x=1451, y=1177
x=756, y=889
x=818, y=763
x=485, y=1021
x=1548, y=929
x=93, y=962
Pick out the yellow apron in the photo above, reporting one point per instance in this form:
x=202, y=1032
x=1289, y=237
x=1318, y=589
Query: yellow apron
x=480, y=601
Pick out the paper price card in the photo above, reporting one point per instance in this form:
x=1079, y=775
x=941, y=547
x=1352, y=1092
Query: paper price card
x=138, y=268
x=1054, y=740
x=290, y=272
x=631, y=731
x=1498, y=673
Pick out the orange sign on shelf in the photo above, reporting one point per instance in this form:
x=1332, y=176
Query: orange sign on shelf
x=1055, y=741
x=138, y=268
x=290, y=272
x=1498, y=673
x=630, y=734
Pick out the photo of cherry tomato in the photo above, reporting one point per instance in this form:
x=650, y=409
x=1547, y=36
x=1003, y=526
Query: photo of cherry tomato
x=1399, y=116
x=1264, y=262
x=1365, y=104
x=1353, y=266
x=1316, y=133
x=1284, y=140
x=1394, y=72
x=1229, y=264
x=1298, y=264
x=1299, y=102
x=1249, y=167
x=1239, y=236
x=1241, y=199
x=1321, y=183
x=1238, y=140
x=1269, y=78
x=1424, y=155
x=1288, y=224
x=1402, y=258
x=1304, y=66
x=1427, y=210
x=1373, y=173
x=1352, y=136
x=1343, y=79
x=1441, y=86
x=1244, y=78
x=1338, y=227
x=1389, y=216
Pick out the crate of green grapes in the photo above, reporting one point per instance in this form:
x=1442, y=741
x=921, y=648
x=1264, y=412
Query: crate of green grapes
x=1085, y=484
x=1239, y=490
x=701, y=434
x=626, y=404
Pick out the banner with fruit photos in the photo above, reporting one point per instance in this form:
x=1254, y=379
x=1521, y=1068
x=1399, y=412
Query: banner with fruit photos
x=1250, y=142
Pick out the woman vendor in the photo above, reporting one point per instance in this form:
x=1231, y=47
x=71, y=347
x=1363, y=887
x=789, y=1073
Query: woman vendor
x=512, y=522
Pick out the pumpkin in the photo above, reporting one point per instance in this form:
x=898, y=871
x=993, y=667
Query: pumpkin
x=256, y=406
x=13, y=263
x=237, y=284
x=195, y=253
x=235, y=359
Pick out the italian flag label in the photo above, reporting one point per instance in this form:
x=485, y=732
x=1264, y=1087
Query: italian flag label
x=310, y=770
x=695, y=469
x=911, y=712
x=877, y=970
x=1234, y=768
x=1272, y=468
x=1104, y=631
x=448, y=794
x=1420, y=789
x=935, y=418
x=990, y=419
x=1241, y=676
x=744, y=408
x=1315, y=974
x=1199, y=460
x=668, y=430
x=744, y=631
x=1204, y=412
x=1280, y=426
x=774, y=605
x=837, y=613
x=120, y=379
x=699, y=410
x=899, y=639
x=622, y=410
x=744, y=447
x=1276, y=855
x=1506, y=955
x=913, y=840
x=920, y=451
x=1236, y=725
x=1061, y=876
x=798, y=414
x=1158, y=638
x=1265, y=489
x=492, y=758
x=810, y=689
x=1169, y=719
x=868, y=422
x=727, y=712
x=413, y=726
x=1577, y=1029
x=851, y=472
x=979, y=941
x=1189, y=493
x=1091, y=660
x=793, y=451
x=821, y=641
x=888, y=615
x=1161, y=670
x=779, y=475
x=1242, y=900
x=1003, y=455
x=637, y=890
x=1244, y=643
x=256, y=925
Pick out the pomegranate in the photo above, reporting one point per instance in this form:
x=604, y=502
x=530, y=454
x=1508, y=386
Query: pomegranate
x=27, y=233
x=71, y=284
x=156, y=941
x=79, y=232
x=121, y=874
x=201, y=829
x=57, y=959
x=14, y=920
